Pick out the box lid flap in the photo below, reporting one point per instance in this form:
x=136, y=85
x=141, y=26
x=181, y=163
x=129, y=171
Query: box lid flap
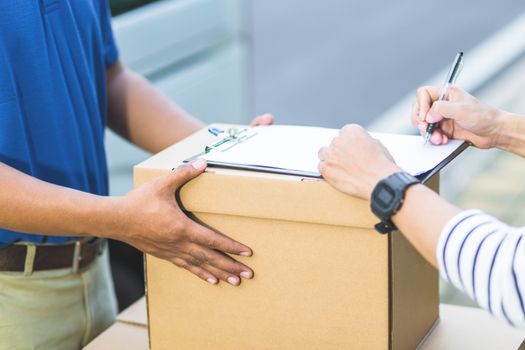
x=264, y=195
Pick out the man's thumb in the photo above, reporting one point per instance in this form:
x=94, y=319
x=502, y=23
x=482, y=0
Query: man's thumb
x=186, y=172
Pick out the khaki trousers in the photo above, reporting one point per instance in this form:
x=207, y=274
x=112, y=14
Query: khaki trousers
x=56, y=309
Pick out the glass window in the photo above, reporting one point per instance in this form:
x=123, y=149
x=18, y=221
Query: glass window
x=120, y=6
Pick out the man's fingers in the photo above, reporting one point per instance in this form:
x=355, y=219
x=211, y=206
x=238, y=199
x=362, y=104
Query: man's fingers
x=185, y=173
x=220, y=261
x=196, y=270
x=203, y=274
x=205, y=237
x=217, y=264
x=265, y=119
x=223, y=275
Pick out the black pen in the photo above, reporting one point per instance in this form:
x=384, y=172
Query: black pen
x=451, y=79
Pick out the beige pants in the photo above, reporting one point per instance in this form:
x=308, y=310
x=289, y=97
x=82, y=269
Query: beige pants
x=56, y=309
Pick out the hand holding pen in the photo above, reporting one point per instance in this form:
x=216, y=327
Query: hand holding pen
x=460, y=116
x=452, y=76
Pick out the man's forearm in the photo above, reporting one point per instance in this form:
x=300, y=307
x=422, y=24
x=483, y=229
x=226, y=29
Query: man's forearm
x=142, y=114
x=33, y=206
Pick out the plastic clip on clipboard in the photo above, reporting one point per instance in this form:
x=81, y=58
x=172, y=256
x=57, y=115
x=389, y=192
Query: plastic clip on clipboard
x=235, y=137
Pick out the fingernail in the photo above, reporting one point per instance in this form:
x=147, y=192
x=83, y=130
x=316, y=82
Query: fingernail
x=246, y=274
x=245, y=254
x=422, y=128
x=233, y=280
x=199, y=163
x=212, y=280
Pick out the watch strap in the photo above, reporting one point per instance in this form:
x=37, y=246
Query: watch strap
x=397, y=182
x=385, y=227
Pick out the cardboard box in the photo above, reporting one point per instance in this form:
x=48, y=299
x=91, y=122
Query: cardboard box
x=324, y=279
x=458, y=328
x=129, y=332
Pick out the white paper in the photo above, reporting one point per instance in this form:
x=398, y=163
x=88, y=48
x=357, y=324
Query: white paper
x=296, y=148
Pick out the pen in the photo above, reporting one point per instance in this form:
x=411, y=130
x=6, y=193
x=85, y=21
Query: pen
x=453, y=73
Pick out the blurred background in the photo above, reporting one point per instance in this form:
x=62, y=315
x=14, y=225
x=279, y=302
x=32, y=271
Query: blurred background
x=324, y=63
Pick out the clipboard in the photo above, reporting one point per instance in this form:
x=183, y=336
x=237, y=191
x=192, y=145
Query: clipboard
x=234, y=137
x=424, y=177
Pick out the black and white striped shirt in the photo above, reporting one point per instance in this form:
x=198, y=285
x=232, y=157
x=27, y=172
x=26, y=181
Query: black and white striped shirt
x=485, y=258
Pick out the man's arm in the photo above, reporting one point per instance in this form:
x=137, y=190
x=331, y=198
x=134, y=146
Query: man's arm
x=33, y=206
x=148, y=218
x=143, y=115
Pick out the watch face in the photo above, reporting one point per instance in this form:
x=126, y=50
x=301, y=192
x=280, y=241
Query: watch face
x=385, y=196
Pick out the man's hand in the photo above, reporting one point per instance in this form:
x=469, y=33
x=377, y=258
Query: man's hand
x=355, y=162
x=154, y=223
x=462, y=117
x=265, y=119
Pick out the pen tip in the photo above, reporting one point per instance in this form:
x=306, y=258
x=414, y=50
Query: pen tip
x=427, y=138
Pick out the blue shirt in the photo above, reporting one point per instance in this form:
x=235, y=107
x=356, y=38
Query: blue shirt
x=53, y=59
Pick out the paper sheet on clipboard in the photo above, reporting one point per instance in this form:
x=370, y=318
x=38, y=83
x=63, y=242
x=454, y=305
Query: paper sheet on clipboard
x=294, y=150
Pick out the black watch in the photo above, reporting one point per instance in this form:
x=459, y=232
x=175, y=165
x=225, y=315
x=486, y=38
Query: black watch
x=387, y=199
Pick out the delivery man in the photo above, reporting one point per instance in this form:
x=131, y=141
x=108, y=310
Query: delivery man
x=475, y=252
x=61, y=83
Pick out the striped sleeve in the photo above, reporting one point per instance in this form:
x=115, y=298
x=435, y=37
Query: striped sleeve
x=485, y=258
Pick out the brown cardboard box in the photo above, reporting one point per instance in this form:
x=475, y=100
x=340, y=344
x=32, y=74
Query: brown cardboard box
x=324, y=278
x=129, y=332
x=458, y=328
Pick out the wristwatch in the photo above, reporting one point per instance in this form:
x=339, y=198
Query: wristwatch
x=387, y=199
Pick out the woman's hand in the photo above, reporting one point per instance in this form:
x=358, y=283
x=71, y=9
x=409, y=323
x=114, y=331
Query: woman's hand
x=461, y=117
x=355, y=162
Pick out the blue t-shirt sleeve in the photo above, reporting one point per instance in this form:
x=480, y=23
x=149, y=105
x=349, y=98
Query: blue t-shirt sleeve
x=110, y=47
